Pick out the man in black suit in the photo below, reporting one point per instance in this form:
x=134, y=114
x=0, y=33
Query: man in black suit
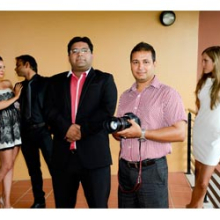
x=35, y=134
x=77, y=103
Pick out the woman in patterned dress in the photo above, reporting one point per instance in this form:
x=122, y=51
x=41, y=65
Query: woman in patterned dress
x=10, y=139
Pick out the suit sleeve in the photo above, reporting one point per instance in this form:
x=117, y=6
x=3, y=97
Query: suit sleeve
x=58, y=124
x=105, y=109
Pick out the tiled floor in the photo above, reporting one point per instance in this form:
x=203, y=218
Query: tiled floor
x=21, y=197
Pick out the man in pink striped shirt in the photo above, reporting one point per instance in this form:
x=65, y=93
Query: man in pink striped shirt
x=143, y=171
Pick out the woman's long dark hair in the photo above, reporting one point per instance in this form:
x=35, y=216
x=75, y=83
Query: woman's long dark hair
x=214, y=54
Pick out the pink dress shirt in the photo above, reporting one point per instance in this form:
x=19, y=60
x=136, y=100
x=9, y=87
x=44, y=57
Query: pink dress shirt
x=157, y=106
x=76, y=85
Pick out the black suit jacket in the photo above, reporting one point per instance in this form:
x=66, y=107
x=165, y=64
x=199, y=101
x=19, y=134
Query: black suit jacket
x=97, y=103
x=38, y=88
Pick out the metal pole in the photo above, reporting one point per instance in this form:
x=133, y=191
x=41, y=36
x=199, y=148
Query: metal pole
x=189, y=144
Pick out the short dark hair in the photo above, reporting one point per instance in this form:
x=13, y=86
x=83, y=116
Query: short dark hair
x=29, y=59
x=142, y=46
x=80, y=39
x=1, y=58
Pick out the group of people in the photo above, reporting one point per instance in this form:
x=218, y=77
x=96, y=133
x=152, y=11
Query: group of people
x=64, y=115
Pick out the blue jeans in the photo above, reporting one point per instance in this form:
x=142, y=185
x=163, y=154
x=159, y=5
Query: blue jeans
x=153, y=191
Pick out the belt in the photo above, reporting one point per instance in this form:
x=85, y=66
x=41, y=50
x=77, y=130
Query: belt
x=144, y=163
x=37, y=125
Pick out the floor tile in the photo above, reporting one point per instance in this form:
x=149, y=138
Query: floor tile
x=21, y=197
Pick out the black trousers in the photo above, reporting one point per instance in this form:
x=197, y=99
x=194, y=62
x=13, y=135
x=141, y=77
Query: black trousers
x=95, y=182
x=34, y=140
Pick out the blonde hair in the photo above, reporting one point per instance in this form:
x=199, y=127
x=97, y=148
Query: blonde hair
x=213, y=53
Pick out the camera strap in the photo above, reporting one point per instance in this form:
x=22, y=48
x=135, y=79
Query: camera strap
x=139, y=178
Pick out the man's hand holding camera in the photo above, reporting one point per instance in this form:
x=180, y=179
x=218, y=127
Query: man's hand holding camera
x=134, y=131
x=127, y=126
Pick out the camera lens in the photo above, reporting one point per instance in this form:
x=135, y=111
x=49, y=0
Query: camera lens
x=113, y=125
x=118, y=124
x=124, y=123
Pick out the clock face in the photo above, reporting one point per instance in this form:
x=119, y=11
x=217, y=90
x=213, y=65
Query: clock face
x=167, y=18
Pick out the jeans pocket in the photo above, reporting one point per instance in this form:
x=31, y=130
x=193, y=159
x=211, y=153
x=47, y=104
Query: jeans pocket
x=155, y=174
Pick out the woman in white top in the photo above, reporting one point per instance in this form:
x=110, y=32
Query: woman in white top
x=10, y=139
x=206, y=129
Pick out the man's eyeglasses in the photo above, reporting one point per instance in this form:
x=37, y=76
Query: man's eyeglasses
x=77, y=50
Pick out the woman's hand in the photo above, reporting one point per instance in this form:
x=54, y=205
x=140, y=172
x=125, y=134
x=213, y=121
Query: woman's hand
x=17, y=89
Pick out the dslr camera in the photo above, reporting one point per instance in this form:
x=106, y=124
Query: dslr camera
x=118, y=124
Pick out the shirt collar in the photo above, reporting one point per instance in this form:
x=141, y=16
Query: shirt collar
x=71, y=72
x=155, y=83
x=35, y=76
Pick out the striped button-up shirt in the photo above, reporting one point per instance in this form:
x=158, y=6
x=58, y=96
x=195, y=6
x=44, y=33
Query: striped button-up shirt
x=157, y=106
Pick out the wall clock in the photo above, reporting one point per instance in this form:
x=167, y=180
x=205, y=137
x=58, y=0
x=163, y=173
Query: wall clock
x=167, y=18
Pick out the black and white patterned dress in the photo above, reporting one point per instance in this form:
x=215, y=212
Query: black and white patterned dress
x=9, y=123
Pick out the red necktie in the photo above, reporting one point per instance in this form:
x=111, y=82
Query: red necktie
x=76, y=85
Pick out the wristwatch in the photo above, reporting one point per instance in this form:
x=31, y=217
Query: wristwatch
x=142, y=138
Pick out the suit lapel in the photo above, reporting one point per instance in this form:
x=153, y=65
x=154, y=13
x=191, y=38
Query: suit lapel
x=88, y=81
x=67, y=91
x=23, y=95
